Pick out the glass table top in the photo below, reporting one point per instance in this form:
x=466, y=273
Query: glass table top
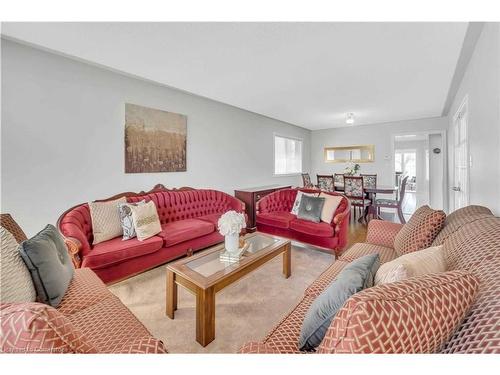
x=210, y=264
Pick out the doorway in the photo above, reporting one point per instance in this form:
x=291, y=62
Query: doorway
x=461, y=161
x=421, y=157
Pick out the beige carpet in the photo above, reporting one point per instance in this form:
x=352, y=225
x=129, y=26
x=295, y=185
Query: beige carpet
x=245, y=311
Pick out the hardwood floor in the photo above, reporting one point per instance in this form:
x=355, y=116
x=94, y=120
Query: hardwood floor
x=357, y=232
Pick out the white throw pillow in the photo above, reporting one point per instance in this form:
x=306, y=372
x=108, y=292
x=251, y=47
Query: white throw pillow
x=298, y=198
x=330, y=206
x=146, y=220
x=430, y=260
x=16, y=284
x=106, y=223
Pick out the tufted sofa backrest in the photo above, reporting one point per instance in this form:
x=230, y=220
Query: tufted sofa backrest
x=180, y=205
x=282, y=200
x=171, y=206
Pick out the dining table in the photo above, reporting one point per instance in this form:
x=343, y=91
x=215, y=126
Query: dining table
x=372, y=192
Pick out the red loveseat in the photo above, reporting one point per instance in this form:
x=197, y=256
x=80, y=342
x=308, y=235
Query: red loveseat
x=274, y=217
x=188, y=218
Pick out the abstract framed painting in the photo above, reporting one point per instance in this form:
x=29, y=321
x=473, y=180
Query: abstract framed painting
x=155, y=140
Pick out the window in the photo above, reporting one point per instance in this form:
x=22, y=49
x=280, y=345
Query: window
x=287, y=155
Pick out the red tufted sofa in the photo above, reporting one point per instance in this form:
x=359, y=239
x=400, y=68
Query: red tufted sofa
x=274, y=217
x=188, y=218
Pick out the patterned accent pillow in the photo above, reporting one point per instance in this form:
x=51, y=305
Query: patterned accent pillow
x=417, y=315
x=15, y=279
x=418, y=263
x=419, y=232
x=298, y=198
x=106, y=222
x=146, y=220
x=126, y=219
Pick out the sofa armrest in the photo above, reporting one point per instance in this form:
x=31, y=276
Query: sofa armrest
x=74, y=248
x=145, y=345
x=256, y=348
x=381, y=232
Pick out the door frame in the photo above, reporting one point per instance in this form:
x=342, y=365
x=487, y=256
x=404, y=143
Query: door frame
x=444, y=152
x=463, y=105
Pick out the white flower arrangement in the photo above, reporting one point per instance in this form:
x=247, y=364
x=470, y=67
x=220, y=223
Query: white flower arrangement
x=231, y=222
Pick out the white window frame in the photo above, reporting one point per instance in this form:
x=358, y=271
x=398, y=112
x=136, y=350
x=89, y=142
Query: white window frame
x=274, y=155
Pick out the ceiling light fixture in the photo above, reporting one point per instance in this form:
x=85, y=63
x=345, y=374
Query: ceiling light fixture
x=349, y=119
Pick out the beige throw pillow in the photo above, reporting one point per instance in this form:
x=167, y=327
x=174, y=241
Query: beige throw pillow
x=146, y=220
x=330, y=206
x=430, y=260
x=16, y=284
x=106, y=223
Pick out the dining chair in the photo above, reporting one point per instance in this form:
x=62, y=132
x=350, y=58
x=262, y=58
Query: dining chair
x=325, y=182
x=369, y=181
x=396, y=204
x=306, y=181
x=338, y=181
x=355, y=192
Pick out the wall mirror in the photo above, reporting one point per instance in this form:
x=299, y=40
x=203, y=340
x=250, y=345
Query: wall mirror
x=345, y=154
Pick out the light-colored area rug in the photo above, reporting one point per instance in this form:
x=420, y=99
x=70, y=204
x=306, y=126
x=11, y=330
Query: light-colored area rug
x=245, y=310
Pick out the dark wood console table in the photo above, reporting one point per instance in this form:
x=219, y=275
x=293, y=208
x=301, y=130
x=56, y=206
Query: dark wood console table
x=250, y=196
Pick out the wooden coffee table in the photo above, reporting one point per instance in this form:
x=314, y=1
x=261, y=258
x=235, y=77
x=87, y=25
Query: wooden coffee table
x=204, y=275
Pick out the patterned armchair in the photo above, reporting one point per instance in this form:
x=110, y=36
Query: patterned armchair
x=325, y=182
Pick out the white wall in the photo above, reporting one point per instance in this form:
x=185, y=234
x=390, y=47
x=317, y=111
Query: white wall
x=379, y=135
x=436, y=170
x=481, y=83
x=63, y=137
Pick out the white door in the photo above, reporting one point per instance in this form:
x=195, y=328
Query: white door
x=460, y=188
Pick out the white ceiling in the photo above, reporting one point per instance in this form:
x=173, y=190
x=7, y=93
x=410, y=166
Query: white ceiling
x=308, y=74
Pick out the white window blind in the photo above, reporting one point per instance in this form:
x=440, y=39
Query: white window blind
x=287, y=155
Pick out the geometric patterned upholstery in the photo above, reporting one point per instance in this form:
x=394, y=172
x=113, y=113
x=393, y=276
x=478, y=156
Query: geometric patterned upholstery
x=361, y=249
x=381, y=232
x=38, y=328
x=109, y=325
x=471, y=243
x=85, y=289
x=284, y=337
x=420, y=231
x=476, y=248
x=458, y=218
x=416, y=315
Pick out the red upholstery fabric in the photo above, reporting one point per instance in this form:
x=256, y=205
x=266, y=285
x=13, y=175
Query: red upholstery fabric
x=172, y=207
x=383, y=233
x=279, y=219
x=212, y=218
x=180, y=205
x=184, y=230
x=77, y=223
x=273, y=214
x=122, y=270
x=314, y=229
x=116, y=250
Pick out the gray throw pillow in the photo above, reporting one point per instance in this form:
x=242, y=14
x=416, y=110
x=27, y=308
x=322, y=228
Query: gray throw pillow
x=46, y=256
x=356, y=276
x=310, y=208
